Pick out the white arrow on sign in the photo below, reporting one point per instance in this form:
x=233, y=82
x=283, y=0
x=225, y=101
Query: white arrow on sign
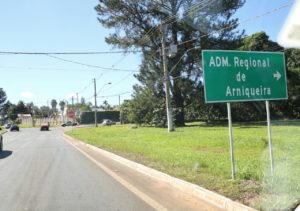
x=277, y=75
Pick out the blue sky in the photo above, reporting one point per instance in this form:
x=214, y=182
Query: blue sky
x=72, y=26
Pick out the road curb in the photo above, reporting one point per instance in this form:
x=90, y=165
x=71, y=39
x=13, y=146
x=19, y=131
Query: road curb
x=4, y=132
x=197, y=191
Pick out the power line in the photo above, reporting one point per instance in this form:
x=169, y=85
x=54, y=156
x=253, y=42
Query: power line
x=46, y=68
x=191, y=9
x=88, y=65
x=235, y=24
x=120, y=81
x=67, y=53
x=116, y=95
x=125, y=77
x=219, y=30
x=86, y=87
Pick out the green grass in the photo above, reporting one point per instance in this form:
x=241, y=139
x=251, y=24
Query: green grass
x=28, y=126
x=2, y=130
x=200, y=154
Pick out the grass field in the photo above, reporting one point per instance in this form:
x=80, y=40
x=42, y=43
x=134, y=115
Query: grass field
x=199, y=153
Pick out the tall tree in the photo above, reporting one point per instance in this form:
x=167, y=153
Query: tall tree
x=3, y=99
x=189, y=23
x=62, y=105
x=6, y=108
x=105, y=106
x=21, y=108
x=53, y=105
x=45, y=111
x=30, y=108
x=259, y=42
x=12, y=112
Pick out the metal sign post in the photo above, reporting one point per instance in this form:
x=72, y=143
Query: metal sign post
x=270, y=137
x=236, y=76
x=231, y=140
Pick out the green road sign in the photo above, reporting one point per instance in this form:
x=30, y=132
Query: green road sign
x=243, y=76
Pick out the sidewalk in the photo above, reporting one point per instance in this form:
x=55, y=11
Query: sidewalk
x=159, y=190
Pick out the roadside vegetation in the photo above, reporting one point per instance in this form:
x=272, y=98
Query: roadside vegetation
x=199, y=153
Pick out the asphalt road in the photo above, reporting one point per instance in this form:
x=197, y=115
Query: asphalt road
x=41, y=171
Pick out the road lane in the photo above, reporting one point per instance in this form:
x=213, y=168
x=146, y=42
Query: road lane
x=40, y=171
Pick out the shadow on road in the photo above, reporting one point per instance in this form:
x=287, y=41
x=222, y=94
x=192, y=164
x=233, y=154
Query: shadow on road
x=5, y=154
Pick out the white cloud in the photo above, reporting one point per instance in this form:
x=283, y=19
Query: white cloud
x=27, y=94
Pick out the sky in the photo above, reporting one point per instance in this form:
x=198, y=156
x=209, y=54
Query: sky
x=72, y=26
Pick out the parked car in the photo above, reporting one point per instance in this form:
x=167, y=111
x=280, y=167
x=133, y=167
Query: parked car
x=44, y=126
x=1, y=143
x=108, y=122
x=69, y=123
x=7, y=126
x=14, y=128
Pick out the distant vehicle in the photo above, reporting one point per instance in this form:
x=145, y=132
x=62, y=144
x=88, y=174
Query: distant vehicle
x=44, y=127
x=108, y=122
x=69, y=123
x=7, y=126
x=1, y=143
x=14, y=128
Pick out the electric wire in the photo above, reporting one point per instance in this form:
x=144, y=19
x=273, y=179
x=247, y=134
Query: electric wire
x=165, y=21
x=94, y=66
x=115, y=95
x=239, y=23
x=67, y=53
x=88, y=65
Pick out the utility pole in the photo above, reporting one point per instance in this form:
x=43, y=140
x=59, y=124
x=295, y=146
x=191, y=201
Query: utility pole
x=166, y=79
x=120, y=109
x=73, y=108
x=95, y=95
x=48, y=108
x=72, y=103
x=33, y=123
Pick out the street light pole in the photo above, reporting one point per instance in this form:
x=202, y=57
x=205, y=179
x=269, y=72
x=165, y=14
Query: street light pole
x=95, y=90
x=166, y=80
x=95, y=95
x=65, y=111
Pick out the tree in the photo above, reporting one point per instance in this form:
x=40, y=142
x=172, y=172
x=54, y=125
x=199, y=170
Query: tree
x=136, y=24
x=62, y=105
x=293, y=58
x=6, y=108
x=249, y=111
x=291, y=108
x=30, y=108
x=53, y=106
x=21, y=108
x=259, y=42
x=3, y=99
x=85, y=107
x=286, y=108
x=255, y=110
x=82, y=101
x=12, y=113
x=105, y=106
x=45, y=111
